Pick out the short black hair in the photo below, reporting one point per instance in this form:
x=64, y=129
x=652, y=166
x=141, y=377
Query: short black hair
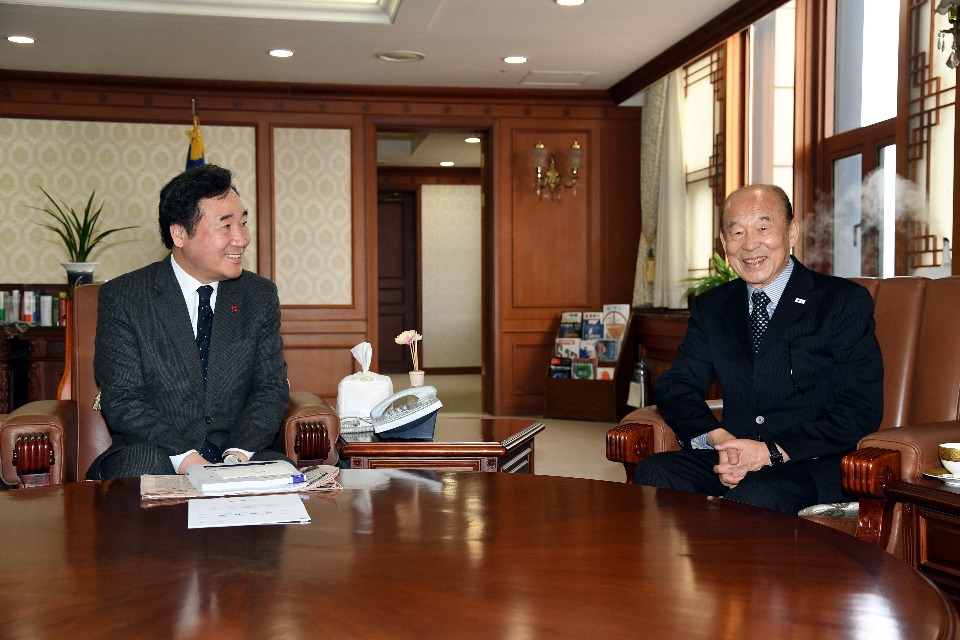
x=180, y=198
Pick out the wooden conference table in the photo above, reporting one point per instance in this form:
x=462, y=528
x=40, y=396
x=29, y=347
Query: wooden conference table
x=423, y=554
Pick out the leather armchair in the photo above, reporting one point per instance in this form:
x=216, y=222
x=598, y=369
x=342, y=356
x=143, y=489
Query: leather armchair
x=55, y=441
x=916, y=322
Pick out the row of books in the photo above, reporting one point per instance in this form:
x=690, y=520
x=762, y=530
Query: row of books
x=579, y=368
x=610, y=323
x=587, y=341
x=33, y=307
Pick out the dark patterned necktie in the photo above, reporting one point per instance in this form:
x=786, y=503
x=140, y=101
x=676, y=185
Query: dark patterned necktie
x=204, y=325
x=759, y=318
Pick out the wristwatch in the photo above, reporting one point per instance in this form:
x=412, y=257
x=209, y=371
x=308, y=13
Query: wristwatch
x=775, y=456
x=233, y=459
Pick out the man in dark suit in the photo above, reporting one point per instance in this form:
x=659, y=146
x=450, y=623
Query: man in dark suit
x=190, y=373
x=797, y=361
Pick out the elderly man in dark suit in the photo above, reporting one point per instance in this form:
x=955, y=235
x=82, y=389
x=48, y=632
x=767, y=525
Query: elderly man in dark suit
x=188, y=351
x=797, y=361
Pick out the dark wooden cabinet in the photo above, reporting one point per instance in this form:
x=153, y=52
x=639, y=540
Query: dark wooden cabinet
x=31, y=366
x=32, y=357
x=931, y=530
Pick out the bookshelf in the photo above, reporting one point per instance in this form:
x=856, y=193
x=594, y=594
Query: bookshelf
x=32, y=357
x=603, y=400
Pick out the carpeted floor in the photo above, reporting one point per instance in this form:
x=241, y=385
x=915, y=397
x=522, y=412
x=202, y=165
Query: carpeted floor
x=573, y=448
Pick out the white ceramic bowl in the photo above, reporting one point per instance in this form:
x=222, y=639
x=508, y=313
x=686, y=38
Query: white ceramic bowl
x=950, y=457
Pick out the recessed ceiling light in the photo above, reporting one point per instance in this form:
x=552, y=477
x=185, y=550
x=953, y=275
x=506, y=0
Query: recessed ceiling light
x=569, y=3
x=281, y=53
x=20, y=39
x=446, y=163
x=472, y=139
x=401, y=56
x=514, y=59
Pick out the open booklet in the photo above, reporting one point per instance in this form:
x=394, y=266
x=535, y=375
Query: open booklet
x=179, y=487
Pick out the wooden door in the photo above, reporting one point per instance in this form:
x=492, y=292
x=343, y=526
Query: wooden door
x=397, y=276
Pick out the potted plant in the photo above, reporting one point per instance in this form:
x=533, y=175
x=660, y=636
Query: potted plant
x=79, y=234
x=720, y=272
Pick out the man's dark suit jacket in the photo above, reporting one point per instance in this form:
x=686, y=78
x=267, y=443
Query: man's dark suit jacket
x=148, y=366
x=816, y=385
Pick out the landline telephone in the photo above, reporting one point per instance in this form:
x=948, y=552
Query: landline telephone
x=415, y=419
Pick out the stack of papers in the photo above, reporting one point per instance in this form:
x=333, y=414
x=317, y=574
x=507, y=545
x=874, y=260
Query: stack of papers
x=223, y=479
x=164, y=489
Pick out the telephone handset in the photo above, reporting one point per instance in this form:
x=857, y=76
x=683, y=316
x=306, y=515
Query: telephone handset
x=407, y=417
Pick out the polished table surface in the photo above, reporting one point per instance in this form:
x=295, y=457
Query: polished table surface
x=459, y=443
x=418, y=554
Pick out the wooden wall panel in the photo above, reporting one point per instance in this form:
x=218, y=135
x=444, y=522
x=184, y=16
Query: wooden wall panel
x=522, y=380
x=620, y=225
x=553, y=256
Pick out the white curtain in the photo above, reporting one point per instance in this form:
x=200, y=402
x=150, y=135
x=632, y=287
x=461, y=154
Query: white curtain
x=651, y=138
x=671, y=240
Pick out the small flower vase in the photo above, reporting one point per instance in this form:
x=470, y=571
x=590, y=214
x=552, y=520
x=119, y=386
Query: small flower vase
x=416, y=378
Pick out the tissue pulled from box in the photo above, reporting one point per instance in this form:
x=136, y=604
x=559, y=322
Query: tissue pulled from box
x=360, y=392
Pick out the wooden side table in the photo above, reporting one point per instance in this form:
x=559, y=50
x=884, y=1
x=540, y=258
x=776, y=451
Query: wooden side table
x=459, y=444
x=931, y=530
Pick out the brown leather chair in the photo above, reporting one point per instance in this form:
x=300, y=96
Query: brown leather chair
x=55, y=441
x=918, y=332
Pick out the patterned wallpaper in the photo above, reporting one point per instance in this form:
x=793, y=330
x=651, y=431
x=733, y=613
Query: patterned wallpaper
x=127, y=164
x=450, y=240
x=313, y=225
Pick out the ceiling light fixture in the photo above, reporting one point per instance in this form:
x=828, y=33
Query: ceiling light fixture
x=281, y=53
x=472, y=139
x=401, y=56
x=547, y=175
x=20, y=39
x=446, y=163
x=569, y=3
x=514, y=59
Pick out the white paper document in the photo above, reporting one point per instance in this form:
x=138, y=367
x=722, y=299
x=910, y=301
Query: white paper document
x=283, y=508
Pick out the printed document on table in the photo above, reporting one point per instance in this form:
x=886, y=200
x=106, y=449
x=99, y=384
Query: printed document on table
x=282, y=508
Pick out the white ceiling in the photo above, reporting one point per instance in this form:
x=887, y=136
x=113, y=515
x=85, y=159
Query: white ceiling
x=590, y=47
x=594, y=45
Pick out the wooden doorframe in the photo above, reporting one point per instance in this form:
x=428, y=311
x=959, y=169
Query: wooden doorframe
x=410, y=178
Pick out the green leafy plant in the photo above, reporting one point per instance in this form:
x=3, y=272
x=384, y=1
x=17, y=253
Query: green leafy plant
x=720, y=273
x=79, y=233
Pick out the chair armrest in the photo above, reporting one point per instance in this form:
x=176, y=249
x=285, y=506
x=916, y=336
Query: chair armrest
x=310, y=430
x=35, y=434
x=884, y=456
x=916, y=443
x=640, y=434
x=644, y=432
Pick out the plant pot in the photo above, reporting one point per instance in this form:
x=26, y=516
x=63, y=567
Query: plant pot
x=79, y=273
x=416, y=378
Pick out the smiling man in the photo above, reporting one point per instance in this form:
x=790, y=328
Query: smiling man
x=188, y=350
x=797, y=361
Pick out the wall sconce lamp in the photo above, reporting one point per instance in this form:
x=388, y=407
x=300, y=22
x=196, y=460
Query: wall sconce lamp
x=950, y=8
x=548, y=178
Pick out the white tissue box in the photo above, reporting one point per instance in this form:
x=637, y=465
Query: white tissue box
x=359, y=393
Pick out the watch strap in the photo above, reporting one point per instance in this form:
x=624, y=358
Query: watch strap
x=776, y=458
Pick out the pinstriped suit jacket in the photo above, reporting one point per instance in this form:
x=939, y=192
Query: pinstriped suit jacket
x=816, y=385
x=149, y=371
